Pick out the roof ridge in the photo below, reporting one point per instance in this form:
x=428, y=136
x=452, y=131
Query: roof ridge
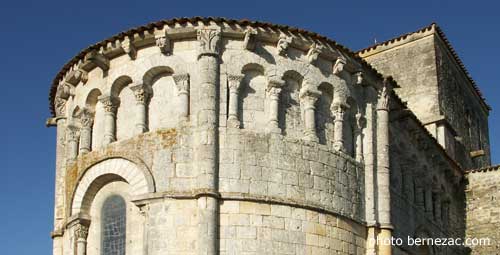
x=397, y=38
x=448, y=45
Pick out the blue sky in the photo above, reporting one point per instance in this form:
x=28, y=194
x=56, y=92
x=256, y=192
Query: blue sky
x=38, y=37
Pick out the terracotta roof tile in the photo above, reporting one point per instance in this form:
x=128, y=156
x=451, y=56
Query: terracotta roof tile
x=484, y=169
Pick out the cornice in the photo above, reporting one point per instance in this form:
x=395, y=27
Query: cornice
x=99, y=54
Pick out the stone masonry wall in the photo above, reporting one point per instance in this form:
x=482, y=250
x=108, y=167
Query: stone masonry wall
x=261, y=228
x=483, y=209
x=462, y=110
x=413, y=66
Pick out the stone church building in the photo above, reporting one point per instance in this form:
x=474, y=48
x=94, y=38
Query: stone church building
x=217, y=136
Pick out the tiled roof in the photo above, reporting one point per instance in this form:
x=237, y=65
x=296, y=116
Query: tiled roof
x=194, y=20
x=441, y=34
x=485, y=169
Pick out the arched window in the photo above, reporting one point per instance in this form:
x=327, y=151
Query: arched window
x=113, y=226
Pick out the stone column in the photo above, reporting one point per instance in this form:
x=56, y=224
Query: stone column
x=81, y=233
x=234, y=87
x=110, y=106
x=383, y=176
x=369, y=163
x=428, y=202
x=339, y=110
x=308, y=98
x=141, y=99
x=86, y=120
x=59, y=201
x=206, y=157
x=437, y=207
x=273, y=93
x=182, y=84
x=419, y=196
x=358, y=135
x=72, y=137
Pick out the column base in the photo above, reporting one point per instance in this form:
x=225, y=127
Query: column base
x=233, y=122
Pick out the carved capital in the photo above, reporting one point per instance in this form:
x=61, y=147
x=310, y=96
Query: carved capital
x=86, y=117
x=72, y=133
x=181, y=82
x=309, y=96
x=209, y=40
x=81, y=232
x=164, y=43
x=140, y=92
x=249, y=42
x=384, y=94
x=234, y=81
x=283, y=44
x=60, y=106
x=338, y=67
x=274, y=87
x=110, y=103
x=339, y=111
x=314, y=51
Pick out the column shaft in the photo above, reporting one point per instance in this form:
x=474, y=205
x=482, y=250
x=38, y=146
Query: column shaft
x=86, y=120
x=72, y=137
x=383, y=178
x=110, y=106
x=207, y=143
x=182, y=83
x=273, y=93
x=81, y=233
x=308, y=98
x=234, y=86
x=141, y=99
x=338, y=136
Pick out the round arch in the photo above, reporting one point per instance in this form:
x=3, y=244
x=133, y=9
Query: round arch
x=109, y=170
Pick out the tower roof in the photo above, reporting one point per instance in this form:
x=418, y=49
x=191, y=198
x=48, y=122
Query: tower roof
x=432, y=28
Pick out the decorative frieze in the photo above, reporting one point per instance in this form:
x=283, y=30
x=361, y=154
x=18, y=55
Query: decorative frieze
x=249, y=42
x=283, y=44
